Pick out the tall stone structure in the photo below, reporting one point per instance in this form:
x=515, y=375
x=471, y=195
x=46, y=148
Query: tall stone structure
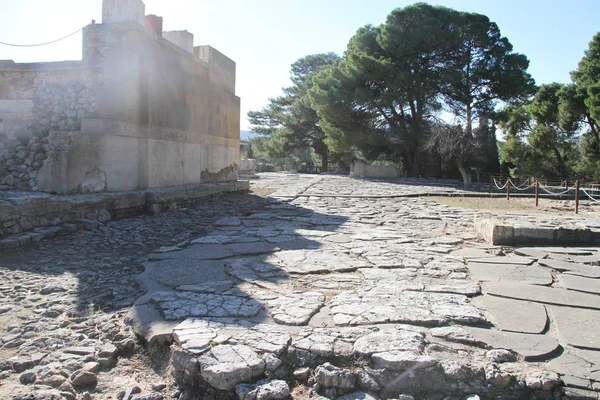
x=142, y=109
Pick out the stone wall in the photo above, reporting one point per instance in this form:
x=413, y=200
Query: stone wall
x=36, y=99
x=360, y=170
x=139, y=111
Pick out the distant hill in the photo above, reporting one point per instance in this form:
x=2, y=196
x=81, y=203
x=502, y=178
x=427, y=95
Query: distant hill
x=246, y=135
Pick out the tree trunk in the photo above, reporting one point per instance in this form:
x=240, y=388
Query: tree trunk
x=466, y=174
x=324, y=161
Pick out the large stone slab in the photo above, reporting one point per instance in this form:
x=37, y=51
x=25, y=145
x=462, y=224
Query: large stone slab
x=185, y=271
x=328, y=342
x=531, y=347
x=514, y=315
x=576, y=362
x=182, y=305
x=390, y=340
x=315, y=261
x=512, y=260
x=541, y=294
x=297, y=308
x=580, y=284
x=384, y=305
x=198, y=335
x=197, y=252
x=572, y=268
x=227, y=365
x=577, y=327
x=509, y=273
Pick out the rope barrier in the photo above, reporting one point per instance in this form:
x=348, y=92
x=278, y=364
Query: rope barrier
x=520, y=187
x=590, y=196
x=496, y=183
x=42, y=44
x=556, y=194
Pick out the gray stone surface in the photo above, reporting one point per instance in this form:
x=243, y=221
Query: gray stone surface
x=264, y=390
x=543, y=294
x=572, y=268
x=181, y=305
x=509, y=273
x=360, y=264
x=197, y=252
x=514, y=315
x=579, y=283
x=227, y=365
x=577, y=327
x=529, y=346
x=381, y=305
x=296, y=309
x=176, y=272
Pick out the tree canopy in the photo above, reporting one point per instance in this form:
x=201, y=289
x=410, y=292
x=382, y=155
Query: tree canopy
x=427, y=90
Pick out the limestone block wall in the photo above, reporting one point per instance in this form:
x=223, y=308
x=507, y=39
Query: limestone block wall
x=361, y=170
x=139, y=111
x=35, y=99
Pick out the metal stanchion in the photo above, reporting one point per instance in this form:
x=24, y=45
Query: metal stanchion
x=508, y=190
x=576, y=197
x=537, y=192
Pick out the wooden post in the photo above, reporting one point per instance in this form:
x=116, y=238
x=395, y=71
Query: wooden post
x=567, y=183
x=508, y=189
x=576, y=197
x=491, y=183
x=537, y=192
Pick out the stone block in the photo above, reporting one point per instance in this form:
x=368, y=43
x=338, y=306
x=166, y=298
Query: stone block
x=573, y=236
x=182, y=39
x=154, y=24
x=123, y=11
x=533, y=235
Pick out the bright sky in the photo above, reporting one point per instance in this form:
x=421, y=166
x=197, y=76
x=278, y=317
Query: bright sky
x=265, y=36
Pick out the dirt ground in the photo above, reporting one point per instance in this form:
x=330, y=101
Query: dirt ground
x=546, y=206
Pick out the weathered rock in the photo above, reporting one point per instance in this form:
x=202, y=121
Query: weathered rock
x=27, y=378
x=83, y=379
x=225, y=366
x=263, y=390
x=330, y=376
x=402, y=360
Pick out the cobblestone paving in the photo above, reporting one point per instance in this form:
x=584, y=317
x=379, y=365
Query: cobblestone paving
x=331, y=286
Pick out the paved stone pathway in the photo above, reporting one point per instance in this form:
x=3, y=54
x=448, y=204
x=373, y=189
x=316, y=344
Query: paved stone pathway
x=338, y=270
x=330, y=287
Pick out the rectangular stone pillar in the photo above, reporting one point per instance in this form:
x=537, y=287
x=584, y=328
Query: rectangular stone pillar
x=123, y=11
x=154, y=24
x=182, y=39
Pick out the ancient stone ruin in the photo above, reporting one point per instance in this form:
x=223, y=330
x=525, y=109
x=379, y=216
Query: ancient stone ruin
x=143, y=109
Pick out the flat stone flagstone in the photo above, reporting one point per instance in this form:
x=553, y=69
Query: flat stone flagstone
x=315, y=261
x=514, y=315
x=531, y=274
x=577, y=327
x=390, y=340
x=576, y=362
x=297, y=308
x=370, y=307
x=543, y=294
x=327, y=342
x=176, y=272
x=506, y=260
x=181, y=305
x=580, y=284
x=572, y=268
x=197, y=252
x=531, y=347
